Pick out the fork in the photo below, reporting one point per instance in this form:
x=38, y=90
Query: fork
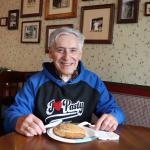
x=102, y=135
x=84, y=123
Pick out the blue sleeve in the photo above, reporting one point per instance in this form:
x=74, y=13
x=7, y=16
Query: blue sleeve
x=23, y=105
x=107, y=104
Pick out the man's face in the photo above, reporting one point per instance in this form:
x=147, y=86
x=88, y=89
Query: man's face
x=66, y=54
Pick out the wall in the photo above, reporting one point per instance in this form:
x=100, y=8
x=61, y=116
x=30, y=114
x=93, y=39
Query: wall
x=126, y=60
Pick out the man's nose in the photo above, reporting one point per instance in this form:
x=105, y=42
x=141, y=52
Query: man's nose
x=66, y=54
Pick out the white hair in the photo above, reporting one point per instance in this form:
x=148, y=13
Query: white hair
x=66, y=31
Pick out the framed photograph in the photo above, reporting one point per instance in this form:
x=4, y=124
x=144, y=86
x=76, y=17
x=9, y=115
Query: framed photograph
x=31, y=8
x=97, y=22
x=128, y=11
x=49, y=30
x=13, y=19
x=3, y=21
x=30, y=32
x=60, y=9
x=147, y=9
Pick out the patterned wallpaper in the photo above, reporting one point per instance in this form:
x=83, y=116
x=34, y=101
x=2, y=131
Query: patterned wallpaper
x=126, y=60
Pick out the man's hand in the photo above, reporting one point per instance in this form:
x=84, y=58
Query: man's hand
x=30, y=125
x=106, y=122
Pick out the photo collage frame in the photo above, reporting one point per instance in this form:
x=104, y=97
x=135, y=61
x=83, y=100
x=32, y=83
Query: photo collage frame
x=96, y=21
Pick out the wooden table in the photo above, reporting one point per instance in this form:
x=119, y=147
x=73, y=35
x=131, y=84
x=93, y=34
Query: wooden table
x=131, y=138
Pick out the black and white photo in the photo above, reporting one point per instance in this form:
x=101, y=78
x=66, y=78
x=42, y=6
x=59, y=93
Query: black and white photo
x=147, y=9
x=30, y=32
x=128, y=11
x=97, y=24
x=61, y=3
x=13, y=19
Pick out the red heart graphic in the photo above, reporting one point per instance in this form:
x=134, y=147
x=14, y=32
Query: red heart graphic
x=57, y=105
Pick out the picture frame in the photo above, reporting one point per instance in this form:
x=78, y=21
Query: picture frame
x=3, y=21
x=31, y=8
x=60, y=10
x=97, y=23
x=128, y=11
x=49, y=29
x=31, y=31
x=13, y=19
x=147, y=9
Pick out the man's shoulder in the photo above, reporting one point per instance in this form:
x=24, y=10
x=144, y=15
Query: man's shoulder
x=37, y=75
x=38, y=78
x=91, y=73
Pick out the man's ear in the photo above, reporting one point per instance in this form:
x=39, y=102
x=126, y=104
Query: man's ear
x=80, y=57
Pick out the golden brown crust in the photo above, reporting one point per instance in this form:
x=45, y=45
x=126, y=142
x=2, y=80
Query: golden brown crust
x=69, y=130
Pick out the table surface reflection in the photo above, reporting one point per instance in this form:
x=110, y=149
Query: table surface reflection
x=131, y=137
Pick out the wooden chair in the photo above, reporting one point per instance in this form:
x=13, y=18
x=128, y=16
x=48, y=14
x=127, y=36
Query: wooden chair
x=10, y=83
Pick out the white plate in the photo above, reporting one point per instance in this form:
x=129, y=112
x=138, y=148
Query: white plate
x=89, y=136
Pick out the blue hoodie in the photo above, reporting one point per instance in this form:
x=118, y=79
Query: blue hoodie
x=49, y=98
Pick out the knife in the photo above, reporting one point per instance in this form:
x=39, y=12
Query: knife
x=53, y=124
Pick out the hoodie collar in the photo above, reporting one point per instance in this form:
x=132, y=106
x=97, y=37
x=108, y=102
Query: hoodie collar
x=50, y=71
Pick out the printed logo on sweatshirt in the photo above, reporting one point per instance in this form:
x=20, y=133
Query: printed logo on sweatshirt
x=63, y=109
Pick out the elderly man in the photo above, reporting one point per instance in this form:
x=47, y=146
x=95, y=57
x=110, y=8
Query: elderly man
x=64, y=90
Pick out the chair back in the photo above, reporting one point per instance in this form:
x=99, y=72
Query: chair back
x=10, y=83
